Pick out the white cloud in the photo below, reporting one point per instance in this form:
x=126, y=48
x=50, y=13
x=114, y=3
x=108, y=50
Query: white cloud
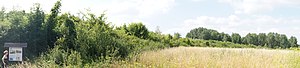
x=118, y=11
x=137, y=10
x=149, y=7
x=25, y=4
x=256, y=6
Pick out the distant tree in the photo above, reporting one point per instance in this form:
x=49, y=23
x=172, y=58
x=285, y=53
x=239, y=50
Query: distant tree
x=226, y=37
x=270, y=40
x=236, y=38
x=293, y=41
x=196, y=33
x=277, y=40
x=205, y=35
x=251, y=38
x=261, y=39
x=214, y=35
x=244, y=40
x=284, y=43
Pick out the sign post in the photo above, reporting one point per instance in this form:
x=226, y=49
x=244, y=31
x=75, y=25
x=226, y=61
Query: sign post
x=15, y=51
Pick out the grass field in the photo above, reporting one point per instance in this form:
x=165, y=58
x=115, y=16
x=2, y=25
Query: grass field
x=199, y=57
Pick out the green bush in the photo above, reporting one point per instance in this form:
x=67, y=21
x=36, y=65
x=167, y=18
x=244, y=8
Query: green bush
x=57, y=57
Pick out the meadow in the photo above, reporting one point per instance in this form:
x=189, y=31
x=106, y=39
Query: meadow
x=207, y=57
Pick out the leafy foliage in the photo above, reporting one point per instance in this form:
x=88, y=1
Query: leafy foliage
x=51, y=24
x=236, y=38
x=137, y=29
x=293, y=41
x=272, y=40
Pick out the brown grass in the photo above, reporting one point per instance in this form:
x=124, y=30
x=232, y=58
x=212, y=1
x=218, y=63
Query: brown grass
x=201, y=57
x=198, y=57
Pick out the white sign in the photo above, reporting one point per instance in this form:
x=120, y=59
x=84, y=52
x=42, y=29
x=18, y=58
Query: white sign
x=15, y=54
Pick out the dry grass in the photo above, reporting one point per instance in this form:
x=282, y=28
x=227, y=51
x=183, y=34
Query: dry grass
x=197, y=57
x=200, y=57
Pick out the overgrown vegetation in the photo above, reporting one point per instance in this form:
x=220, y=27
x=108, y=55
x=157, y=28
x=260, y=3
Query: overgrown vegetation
x=65, y=40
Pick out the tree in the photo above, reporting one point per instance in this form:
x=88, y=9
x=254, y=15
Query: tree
x=214, y=35
x=261, y=39
x=277, y=40
x=244, y=40
x=284, y=43
x=176, y=36
x=226, y=37
x=138, y=30
x=17, y=22
x=35, y=33
x=4, y=27
x=251, y=38
x=270, y=40
x=236, y=38
x=50, y=25
x=66, y=31
x=198, y=33
x=205, y=35
x=293, y=41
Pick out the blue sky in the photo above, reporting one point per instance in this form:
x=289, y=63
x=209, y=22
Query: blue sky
x=238, y=16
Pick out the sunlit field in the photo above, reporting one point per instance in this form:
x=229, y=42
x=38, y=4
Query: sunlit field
x=186, y=57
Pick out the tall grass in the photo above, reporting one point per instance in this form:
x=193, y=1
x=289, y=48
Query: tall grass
x=186, y=57
x=195, y=57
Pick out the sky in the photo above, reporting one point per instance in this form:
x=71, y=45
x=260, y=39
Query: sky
x=170, y=16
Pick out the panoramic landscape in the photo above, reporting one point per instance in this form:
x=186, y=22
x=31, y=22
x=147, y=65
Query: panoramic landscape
x=150, y=34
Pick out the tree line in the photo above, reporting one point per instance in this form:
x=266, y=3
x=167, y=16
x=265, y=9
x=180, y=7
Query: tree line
x=271, y=40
